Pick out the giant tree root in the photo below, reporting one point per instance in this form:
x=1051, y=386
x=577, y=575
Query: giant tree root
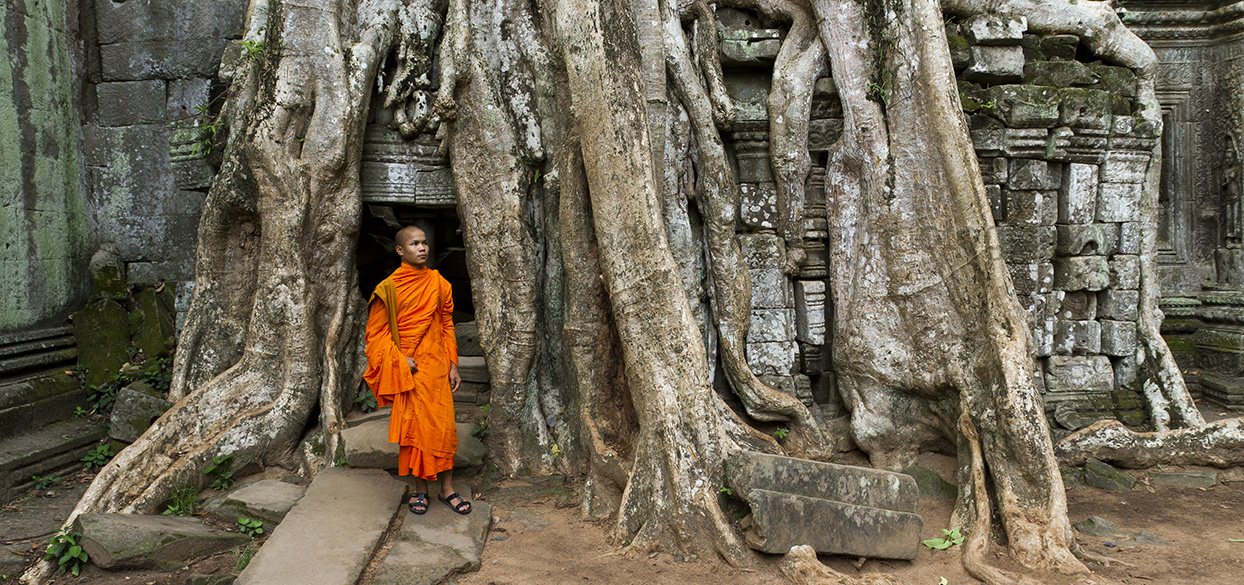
x=1217, y=444
x=801, y=567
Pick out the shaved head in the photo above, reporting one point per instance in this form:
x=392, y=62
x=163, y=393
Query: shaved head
x=403, y=235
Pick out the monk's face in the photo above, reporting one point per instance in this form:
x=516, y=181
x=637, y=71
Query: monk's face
x=413, y=248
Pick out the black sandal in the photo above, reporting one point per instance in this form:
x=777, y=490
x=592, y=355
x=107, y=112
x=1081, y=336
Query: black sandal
x=462, y=507
x=418, y=503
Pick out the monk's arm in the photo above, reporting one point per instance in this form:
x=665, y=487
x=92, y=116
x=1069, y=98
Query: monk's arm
x=451, y=339
x=379, y=339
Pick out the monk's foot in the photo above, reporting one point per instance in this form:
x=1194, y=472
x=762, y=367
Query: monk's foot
x=418, y=503
x=456, y=503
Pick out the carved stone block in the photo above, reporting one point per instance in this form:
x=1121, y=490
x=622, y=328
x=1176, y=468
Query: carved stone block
x=1031, y=207
x=1120, y=305
x=1119, y=202
x=1093, y=239
x=1118, y=338
x=1124, y=167
x=1081, y=273
x=1032, y=277
x=810, y=311
x=1077, y=337
x=1129, y=238
x=1125, y=272
x=758, y=203
x=754, y=165
x=1089, y=374
x=773, y=358
x=1077, y=306
x=1077, y=200
x=1126, y=373
x=1031, y=174
x=988, y=29
x=994, y=194
x=996, y=65
x=761, y=250
x=770, y=289
x=771, y=325
x=1026, y=243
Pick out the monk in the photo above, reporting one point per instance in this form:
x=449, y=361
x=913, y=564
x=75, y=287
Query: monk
x=412, y=364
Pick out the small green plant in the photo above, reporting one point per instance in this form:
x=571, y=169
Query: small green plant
x=68, y=554
x=43, y=484
x=245, y=554
x=949, y=538
x=182, y=502
x=159, y=374
x=220, y=472
x=781, y=434
x=340, y=461
x=365, y=400
x=725, y=490
x=98, y=457
x=79, y=412
x=250, y=526
x=481, y=423
x=254, y=50
x=102, y=397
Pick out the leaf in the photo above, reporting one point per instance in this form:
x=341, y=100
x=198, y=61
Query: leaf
x=75, y=551
x=1235, y=540
x=942, y=582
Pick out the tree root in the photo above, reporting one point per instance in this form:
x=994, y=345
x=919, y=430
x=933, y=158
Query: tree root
x=801, y=567
x=1216, y=444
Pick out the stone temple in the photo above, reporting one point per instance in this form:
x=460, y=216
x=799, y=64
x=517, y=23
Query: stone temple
x=106, y=155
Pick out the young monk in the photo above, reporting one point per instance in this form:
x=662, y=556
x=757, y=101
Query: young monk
x=412, y=363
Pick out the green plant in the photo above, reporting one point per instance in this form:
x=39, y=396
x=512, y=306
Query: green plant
x=781, y=433
x=182, y=502
x=481, y=422
x=250, y=526
x=98, y=457
x=43, y=484
x=254, y=50
x=340, y=461
x=102, y=397
x=245, y=554
x=949, y=538
x=68, y=554
x=726, y=490
x=79, y=412
x=220, y=472
x=365, y=400
x=159, y=374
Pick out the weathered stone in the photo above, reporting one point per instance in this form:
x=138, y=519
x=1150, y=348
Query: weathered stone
x=44, y=451
x=1119, y=305
x=439, y=544
x=960, y=50
x=863, y=486
x=1024, y=244
x=1125, y=272
x=744, y=48
x=1085, y=108
x=1077, y=337
x=1079, y=373
x=1129, y=237
x=127, y=103
x=118, y=22
x=774, y=358
x=1032, y=277
x=133, y=413
x=761, y=250
x=468, y=339
x=341, y=518
x=932, y=486
x=267, y=500
x=989, y=29
x=771, y=325
x=1059, y=46
x=1118, y=338
x=1031, y=207
x=473, y=369
x=131, y=541
x=108, y=274
x=810, y=311
x=1099, y=527
x=770, y=289
x=994, y=194
x=1194, y=479
x=173, y=59
x=1077, y=202
x=1031, y=174
x=1126, y=373
x=1058, y=73
x=1077, y=306
x=1119, y=202
x=1092, y=239
x=996, y=65
x=187, y=97
x=1081, y=273
x=994, y=170
x=1120, y=81
x=151, y=322
x=1229, y=266
x=1102, y=476
x=754, y=168
x=102, y=330
x=780, y=521
x=758, y=204
x=367, y=446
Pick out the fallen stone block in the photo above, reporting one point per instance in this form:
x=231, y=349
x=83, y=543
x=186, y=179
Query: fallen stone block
x=268, y=500
x=1102, y=476
x=133, y=414
x=874, y=488
x=780, y=521
x=436, y=545
x=1195, y=479
x=131, y=541
x=367, y=446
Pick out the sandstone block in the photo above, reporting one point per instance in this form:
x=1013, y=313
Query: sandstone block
x=473, y=369
x=1092, y=239
x=133, y=414
x=1031, y=208
x=108, y=275
x=102, y=330
x=771, y=325
x=1077, y=202
x=1079, y=374
x=367, y=446
x=1124, y=168
x=1129, y=237
x=1119, y=202
x=1031, y=277
x=988, y=29
x=810, y=311
x=1033, y=174
x=1077, y=337
x=1102, y=476
x=773, y=358
x=468, y=339
x=758, y=204
x=996, y=65
x=994, y=194
x=781, y=521
x=132, y=541
x=761, y=250
x=1118, y=338
x=1058, y=73
x=127, y=103
x=1073, y=273
x=995, y=170
x=267, y=500
x=1126, y=373
x=440, y=544
x=1059, y=46
x=1119, y=305
x=168, y=59
x=186, y=96
x=151, y=321
x=1077, y=306
x=1024, y=244
x=1125, y=272
x=771, y=289
x=1195, y=479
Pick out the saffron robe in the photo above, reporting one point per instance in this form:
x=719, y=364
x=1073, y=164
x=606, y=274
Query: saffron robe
x=410, y=315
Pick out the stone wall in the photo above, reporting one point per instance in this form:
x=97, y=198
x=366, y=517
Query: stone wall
x=44, y=227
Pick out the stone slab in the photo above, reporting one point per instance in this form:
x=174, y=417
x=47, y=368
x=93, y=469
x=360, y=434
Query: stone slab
x=1032, y=174
x=132, y=541
x=268, y=500
x=1102, y=476
x=1121, y=305
x=781, y=521
x=133, y=413
x=1072, y=273
x=1077, y=203
x=996, y=65
x=1196, y=479
x=1119, y=202
x=436, y=545
x=1079, y=374
x=367, y=446
x=330, y=534
x=1077, y=337
x=126, y=103
x=473, y=369
x=989, y=29
x=873, y=488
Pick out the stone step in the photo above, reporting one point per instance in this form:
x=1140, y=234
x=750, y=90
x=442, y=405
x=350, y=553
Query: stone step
x=849, y=484
x=166, y=543
x=46, y=452
x=473, y=369
x=332, y=532
x=267, y=500
x=435, y=545
x=780, y=521
x=36, y=345
x=367, y=445
x=12, y=366
x=34, y=334
x=38, y=399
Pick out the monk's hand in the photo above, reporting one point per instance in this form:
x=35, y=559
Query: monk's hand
x=454, y=378
x=413, y=366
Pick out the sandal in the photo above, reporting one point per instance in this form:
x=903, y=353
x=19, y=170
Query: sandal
x=418, y=503
x=462, y=507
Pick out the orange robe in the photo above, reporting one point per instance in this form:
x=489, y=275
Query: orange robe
x=422, y=421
